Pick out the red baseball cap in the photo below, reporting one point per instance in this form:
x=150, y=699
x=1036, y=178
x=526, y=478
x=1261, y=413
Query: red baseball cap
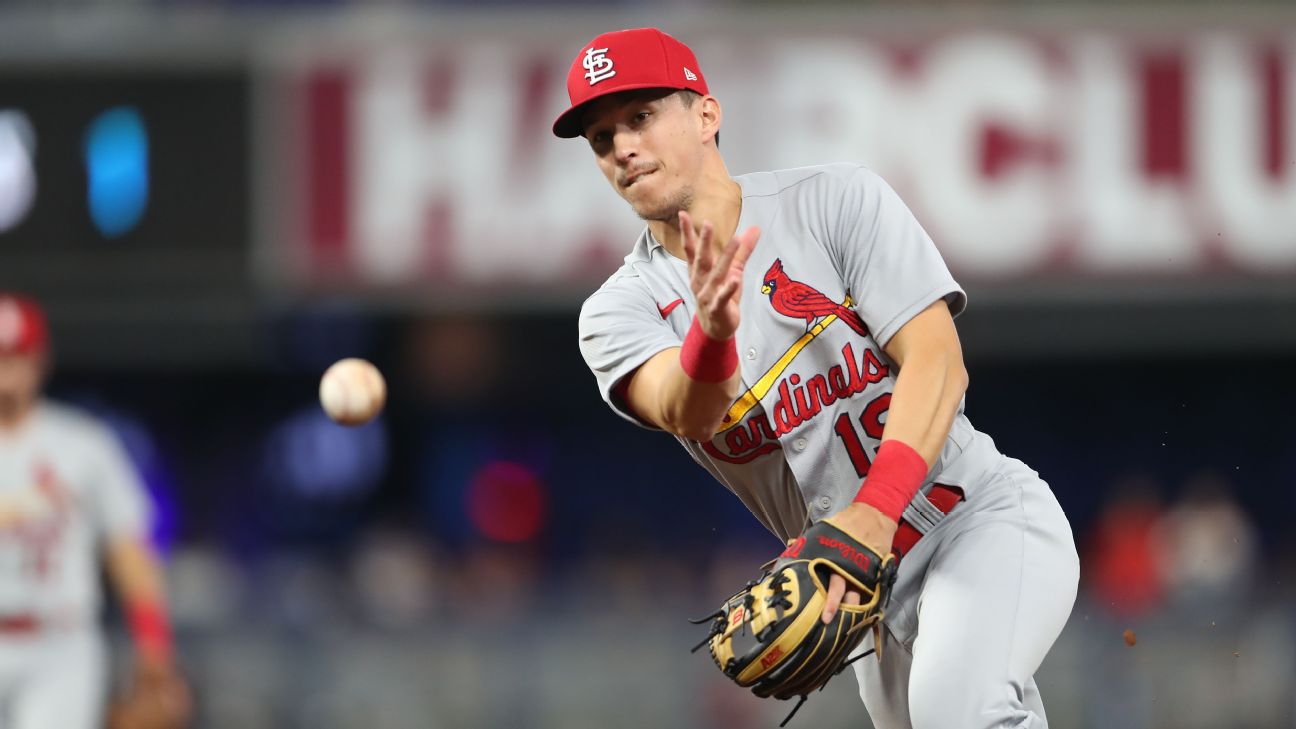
x=22, y=326
x=623, y=60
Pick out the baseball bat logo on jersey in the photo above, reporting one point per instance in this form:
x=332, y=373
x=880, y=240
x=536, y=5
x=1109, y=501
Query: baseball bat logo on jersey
x=799, y=398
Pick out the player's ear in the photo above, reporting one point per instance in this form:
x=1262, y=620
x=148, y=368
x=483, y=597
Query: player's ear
x=711, y=115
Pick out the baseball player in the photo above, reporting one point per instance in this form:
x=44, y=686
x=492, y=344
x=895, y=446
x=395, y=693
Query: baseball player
x=68, y=496
x=794, y=331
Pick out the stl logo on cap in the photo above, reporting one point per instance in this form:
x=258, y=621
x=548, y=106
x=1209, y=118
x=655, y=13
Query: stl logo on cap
x=598, y=67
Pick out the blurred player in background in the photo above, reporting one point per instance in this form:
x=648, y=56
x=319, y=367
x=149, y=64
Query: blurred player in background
x=68, y=498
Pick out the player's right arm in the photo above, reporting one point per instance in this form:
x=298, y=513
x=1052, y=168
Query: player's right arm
x=687, y=390
x=135, y=575
x=660, y=393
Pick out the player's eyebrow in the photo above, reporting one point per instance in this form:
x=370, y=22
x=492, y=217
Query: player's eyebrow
x=618, y=103
x=590, y=119
x=587, y=125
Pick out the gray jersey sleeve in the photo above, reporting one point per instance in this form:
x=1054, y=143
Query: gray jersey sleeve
x=889, y=262
x=620, y=329
x=121, y=503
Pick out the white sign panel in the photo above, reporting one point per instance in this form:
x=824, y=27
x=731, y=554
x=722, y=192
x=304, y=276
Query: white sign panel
x=1089, y=155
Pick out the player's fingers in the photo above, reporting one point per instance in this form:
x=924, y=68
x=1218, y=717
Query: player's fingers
x=705, y=256
x=686, y=233
x=725, y=262
x=713, y=295
x=726, y=292
x=746, y=244
x=708, y=232
x=852, y=598
x=836, y=588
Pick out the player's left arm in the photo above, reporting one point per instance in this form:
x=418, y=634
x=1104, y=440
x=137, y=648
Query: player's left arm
x=924, y=402
x=931, y=382
x=135, y=574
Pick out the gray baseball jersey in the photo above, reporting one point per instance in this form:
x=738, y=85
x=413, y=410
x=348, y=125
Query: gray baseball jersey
x=840, y=267
x=66, y=485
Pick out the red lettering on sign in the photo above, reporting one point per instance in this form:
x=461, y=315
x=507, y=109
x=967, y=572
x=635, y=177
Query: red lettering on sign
x=1165, y=140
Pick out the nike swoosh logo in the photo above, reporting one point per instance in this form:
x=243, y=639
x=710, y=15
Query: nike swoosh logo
x=667, y=309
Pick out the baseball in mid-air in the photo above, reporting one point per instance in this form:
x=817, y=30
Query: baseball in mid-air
x=352, y=391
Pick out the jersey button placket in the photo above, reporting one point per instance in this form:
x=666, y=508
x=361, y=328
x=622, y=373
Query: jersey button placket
x=825, y=503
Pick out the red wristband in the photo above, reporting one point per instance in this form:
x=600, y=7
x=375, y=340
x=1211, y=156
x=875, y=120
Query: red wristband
x=151, y=630
x=705, y=359
x=893, y=479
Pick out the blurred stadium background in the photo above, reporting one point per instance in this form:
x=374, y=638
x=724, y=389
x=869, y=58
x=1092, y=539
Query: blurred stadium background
x=216, y=199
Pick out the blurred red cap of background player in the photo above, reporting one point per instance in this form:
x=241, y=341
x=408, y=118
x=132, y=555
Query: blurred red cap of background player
x=623, y=60
x=22, y=325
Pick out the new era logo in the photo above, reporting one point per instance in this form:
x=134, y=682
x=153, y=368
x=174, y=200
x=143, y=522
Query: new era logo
x=598, y=67
x=689, y=74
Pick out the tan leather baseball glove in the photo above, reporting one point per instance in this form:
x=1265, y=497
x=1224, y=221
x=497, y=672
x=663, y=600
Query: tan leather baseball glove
x=158, y=698
x=770, y=636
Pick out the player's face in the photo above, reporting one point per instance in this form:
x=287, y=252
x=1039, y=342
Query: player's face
x=649, y=148
x=20, y=382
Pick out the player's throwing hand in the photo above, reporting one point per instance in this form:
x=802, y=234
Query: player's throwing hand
x=716, y=281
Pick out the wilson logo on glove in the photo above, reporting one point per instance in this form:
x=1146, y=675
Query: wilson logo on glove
x=854, y=555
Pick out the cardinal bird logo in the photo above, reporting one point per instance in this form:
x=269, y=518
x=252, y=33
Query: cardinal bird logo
x=799, y=301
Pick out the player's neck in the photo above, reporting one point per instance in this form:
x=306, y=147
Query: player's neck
x=717, y=199
x=13, y=418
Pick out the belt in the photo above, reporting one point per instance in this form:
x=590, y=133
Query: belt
x=944, y=498
x=19, y=623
